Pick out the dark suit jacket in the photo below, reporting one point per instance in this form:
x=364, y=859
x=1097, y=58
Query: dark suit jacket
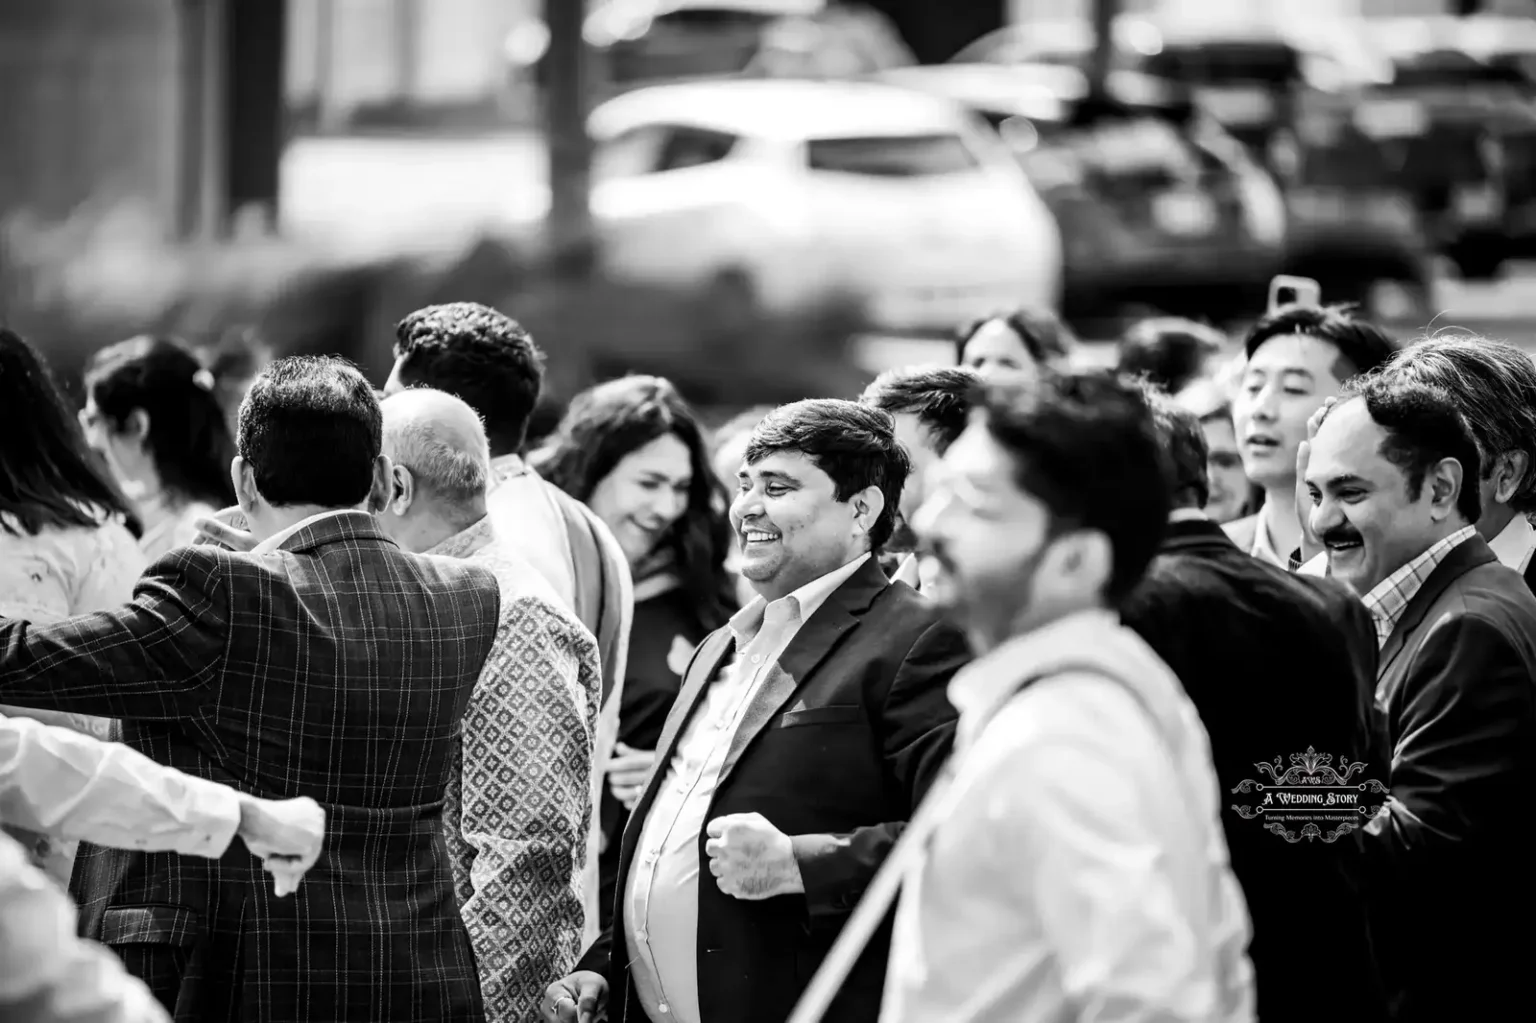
x=836, y=749
x=1276, y=664
x=337, y=668
x=1458, y=692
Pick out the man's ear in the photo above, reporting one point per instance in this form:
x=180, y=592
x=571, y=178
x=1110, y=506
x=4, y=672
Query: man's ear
x=137, y=425
x=1509, y=472
x=244, y=480
x=392, y=485
x=1445, y=481
x=867, y=505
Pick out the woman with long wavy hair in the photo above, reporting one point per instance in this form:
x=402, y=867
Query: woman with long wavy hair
x=153, y=411
x=633, y=451
x=68, y=537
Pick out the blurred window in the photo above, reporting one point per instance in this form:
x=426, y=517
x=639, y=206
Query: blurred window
x=895, y=156
x=1217, y=63
x=694, y=147
x=629, y=154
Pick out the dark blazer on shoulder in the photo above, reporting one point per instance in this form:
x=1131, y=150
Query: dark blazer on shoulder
x=1276, y=664
x=1458, y=694
x=836, y=749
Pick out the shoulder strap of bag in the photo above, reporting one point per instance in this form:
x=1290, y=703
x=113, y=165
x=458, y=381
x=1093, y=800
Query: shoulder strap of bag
x=886, y=884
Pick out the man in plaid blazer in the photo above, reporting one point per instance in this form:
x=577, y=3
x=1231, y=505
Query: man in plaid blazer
x=326, y=663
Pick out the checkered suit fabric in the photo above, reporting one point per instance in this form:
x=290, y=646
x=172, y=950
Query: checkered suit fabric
x=337, y=667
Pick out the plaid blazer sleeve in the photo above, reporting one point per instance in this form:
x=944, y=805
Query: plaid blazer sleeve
x=525, y=806
x=143, y=661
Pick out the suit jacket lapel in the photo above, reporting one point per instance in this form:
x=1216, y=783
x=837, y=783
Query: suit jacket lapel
x=815, y=640
x=1463, y=559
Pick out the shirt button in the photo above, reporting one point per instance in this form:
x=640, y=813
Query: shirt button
x=757, y=658
x=663, y=1007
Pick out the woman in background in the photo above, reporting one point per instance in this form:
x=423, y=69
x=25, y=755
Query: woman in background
x=153, y=411
x=68, y=538
x=1023, y=341
x=632, y=450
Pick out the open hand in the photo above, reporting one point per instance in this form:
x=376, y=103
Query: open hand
x=627, y=771
x=1311, y=546
x=226, y=528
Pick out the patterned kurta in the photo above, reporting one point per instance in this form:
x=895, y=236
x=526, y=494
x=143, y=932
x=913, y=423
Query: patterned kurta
x=518, y=806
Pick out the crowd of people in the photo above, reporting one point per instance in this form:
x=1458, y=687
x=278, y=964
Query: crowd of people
x=1202, y=688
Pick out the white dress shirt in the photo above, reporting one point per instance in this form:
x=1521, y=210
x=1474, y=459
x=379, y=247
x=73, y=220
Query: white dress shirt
x=1079, y=871
x=661, y=897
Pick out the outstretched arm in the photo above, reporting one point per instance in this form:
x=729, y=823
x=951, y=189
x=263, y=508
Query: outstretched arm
x=144, y=660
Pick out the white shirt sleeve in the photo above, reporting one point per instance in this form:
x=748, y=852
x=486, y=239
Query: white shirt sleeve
x=47, y=972
x=1118, y=893
x=72, y=786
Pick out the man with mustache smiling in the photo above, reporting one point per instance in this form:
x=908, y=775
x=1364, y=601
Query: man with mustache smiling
x=1393, y=475
x=806, y=731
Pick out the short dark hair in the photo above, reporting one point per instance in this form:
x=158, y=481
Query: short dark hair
x=188, y=431
x=1084, y=444
x=1361, y=344
x=853, y=444
x=1184, y=448
x=940, y=398
x=479, y=355
x=49, y=478
x=311, y=430
x=1168, y=351
x=1047, y=339
x=1494, y=382
x=1423, y=426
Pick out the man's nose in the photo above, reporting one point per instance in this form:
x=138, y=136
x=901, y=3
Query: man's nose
x=1266, y=406
x=1324, y=516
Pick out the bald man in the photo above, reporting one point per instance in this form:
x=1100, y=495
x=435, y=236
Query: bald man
x=517, y=812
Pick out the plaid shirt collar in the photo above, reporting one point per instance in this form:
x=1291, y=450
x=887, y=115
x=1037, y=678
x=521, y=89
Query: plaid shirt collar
x=1389, y=598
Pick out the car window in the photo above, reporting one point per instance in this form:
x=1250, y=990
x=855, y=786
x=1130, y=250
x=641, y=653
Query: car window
x=694, y=147
x=891, y=156
x=628, y=154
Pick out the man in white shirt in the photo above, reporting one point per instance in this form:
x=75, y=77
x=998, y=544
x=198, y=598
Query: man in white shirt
x=930, y=407
x=59, y=782
x=806, y=731
x=1494, y=384
x=1078, y=870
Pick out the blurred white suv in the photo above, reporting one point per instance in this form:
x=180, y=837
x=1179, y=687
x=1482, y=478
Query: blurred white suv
x=784, y=194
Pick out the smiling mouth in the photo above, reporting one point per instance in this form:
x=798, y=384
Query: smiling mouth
x=757, y=538
x=1343, y=546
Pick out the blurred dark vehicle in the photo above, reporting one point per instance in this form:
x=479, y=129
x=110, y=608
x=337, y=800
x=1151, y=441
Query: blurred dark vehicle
x=1458, y=126
x=647, y=42
x=1291, y=97
x=1158, y=207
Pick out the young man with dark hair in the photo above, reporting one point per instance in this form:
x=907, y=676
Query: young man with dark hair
x=1236, y=630
x=1392, y=475
x=1297, y=359
x=931, y=408
x=486, y=359
x=327, y=663
x=806, y=732
x=1079, y=859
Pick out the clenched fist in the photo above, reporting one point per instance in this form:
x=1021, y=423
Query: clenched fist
x=750, y=858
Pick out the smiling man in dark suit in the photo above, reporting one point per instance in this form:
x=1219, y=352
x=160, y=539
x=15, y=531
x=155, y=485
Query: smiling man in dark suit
x=326, y=663
x=1393, y=476
x=806, y=732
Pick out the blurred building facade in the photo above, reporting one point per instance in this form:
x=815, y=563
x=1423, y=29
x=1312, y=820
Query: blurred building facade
x=1073, y=10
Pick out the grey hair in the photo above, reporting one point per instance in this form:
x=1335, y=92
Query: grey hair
x=451, y=468
x=1494, y=384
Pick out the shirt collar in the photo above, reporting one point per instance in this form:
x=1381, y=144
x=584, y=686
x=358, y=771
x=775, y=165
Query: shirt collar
x=466, y=541
x=1514, y=543
x=1389, y=598
x=991, y=679
x=799, y=605
x=506, y=466
x=909, y=572
x=1263, y=546
x=1188, y=515
x=282, y=536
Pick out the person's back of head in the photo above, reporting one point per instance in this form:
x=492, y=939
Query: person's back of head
x=442, y=465
x=1169, y=352
x=1494, y=382
x=311, y=436
x=939, y=398
x=1184, y=448
x=479, y=355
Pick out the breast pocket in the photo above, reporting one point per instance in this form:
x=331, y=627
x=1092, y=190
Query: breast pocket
x=820, y=716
